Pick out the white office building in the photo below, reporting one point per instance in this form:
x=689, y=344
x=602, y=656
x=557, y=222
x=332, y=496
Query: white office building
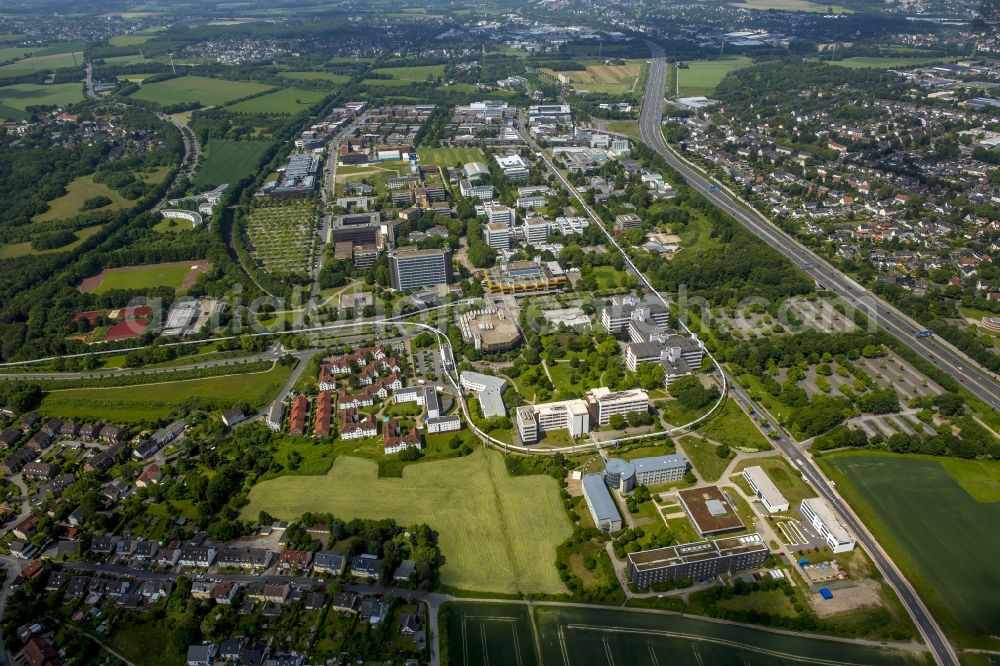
x=497, y=236
x=497, y=213
x=606, y=403
x=765, y=490
x=536, y=230
x=570, y=415
x=469, y=189
x=821, y=516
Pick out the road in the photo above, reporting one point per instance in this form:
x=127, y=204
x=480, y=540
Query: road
x=894, y=322
x=933, y=349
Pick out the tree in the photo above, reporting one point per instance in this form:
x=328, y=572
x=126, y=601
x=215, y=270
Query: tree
x=617, y=421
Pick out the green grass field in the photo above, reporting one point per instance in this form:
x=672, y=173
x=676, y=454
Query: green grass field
x=508, y=634
x=887, y=62
x=498, y=533
x=206, y=91
x=14, y=99
x=169, y=226
x=791, y=6
x=228, y=161
x=129, y=40
x=332, y=77
x=941, y=536
x=731, y=426
x=132, y=404
x=42, y=62
x=416, y=73
x=703, y=456
x=144, y=277
x=77, y=192
x=286, y=101
x=601, y=78
x=449, y=156
x=24, y=249
x=701, y=76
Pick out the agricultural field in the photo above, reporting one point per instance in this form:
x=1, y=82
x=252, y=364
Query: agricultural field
x=791, y=6
x=77, y=192
x=177, y=275
x=506, y=633
x=129, y=40
x=204, y=90
x=288, y=101
x=498, y=533
x=228, y=161
x=282, y=235
x=886, y=62
x=449, y=156
x=42, y=62
x=942, y=536
x=701, y=76
x=602, y=78
x=146, y=402
x=14, y=99
x=332, y=77
x=404, y=76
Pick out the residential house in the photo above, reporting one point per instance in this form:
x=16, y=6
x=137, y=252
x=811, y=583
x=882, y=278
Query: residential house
x=201, y=654
x=39, y=470
x=224, y=592
x=112, y=434
x=244, y=558
x=410, y=624
x=294, y=559
x=329, y=561
x=365, y=566
x=149, y=476
x=404, y=572
x=9, y=438
x=315, y=600
x=197, y=556
x=373, y=610
x=232, y=416
x=26, y=528
x=395, y=440
x=344, y=602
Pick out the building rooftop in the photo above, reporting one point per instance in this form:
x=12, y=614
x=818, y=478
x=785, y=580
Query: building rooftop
x=765, y=486
x=657, y=463
x=695, y=552
x=600, y=499
x=829, y=518
x=710, y=510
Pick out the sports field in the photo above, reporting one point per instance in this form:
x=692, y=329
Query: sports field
x=506, y=634
x=132, y=404
x=449, y=156
x=602, y=78
x=204, y=90
x=498, y=533
x=286, y=101
x=178, y=274
x=701, y=76
x=943, y=537
x=21, y=95
x=228, y=161
x=332, y=77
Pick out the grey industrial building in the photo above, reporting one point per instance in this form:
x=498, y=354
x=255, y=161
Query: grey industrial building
x=602, y=507
x=412, y=269
x=697, y=561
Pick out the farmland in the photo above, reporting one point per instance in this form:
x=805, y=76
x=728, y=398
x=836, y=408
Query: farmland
x=701, y=76
x=129, y=40
x=601, y=78
x=228, y=161
x=205, y=91
x=886, y=62
x=175, y=275
x=42, y=62
x=449, y=156
x=131, y=404
x=282, y=235
x=77, y=192
x=281, y=102
x=790, y=6
x=332, y=77
x=507, y=633
x=919, y=510
x=14, y=99
x=498, y=533
x=404, y=76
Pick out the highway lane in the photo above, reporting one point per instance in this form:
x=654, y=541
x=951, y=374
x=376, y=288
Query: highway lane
x=933, y=349
x=894, y=322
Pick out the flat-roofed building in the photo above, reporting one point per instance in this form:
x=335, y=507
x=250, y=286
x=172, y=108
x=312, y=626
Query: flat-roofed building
x=489, y=330
x=536, y=230
x=412, y=268
x=475, y=191
x=497, y=235
x=602, y=506
x=527, y=425
x=490, y=392
x=625, y=309
x=701, y=560
x=821, y=516
x=497, y=213
x=606, y=403
x=710, y=511
x=627, y=221
x=765, y=490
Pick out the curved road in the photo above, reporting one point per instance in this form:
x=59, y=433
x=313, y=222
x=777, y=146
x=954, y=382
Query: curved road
x=894, y=322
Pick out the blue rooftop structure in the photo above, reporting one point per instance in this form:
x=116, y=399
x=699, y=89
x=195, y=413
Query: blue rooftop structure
x=602, y=506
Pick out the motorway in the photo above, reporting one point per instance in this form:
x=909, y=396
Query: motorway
x=894, y=322
x=956, y=364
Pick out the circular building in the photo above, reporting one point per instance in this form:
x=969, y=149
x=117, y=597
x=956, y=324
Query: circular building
x=619, y=474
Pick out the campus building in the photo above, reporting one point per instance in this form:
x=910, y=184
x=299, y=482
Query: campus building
x=605, y=403
x=525, y=277
x=702, y=560
x=821, y=516
x=626, y=309
x=765, y=490
x=489, y=389
x=497, y=236
x=710, y=511
x=412, y=268
x=602, y=507
x=625, y=475
x=570, y=415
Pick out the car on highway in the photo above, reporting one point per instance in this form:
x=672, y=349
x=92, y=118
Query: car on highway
x=715, y=188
